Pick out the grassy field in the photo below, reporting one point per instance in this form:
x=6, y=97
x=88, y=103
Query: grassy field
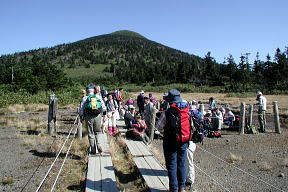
x=82, y=73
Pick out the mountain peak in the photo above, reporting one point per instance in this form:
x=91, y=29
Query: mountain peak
x=127, y=33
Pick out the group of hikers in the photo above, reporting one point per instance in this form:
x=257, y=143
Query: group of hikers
x=175, y=119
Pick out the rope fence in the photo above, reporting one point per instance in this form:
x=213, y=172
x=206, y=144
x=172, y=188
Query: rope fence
x=51, y=166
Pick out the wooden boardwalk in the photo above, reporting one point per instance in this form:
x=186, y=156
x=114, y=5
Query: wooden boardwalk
x=154, y=174
x=100, y=175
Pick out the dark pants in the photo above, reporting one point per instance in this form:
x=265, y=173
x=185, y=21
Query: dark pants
x=262, y=120
x=175, y=157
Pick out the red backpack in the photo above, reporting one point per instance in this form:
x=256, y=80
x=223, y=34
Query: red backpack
x=178, y=123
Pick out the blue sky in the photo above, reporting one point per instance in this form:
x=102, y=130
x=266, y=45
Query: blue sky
x=221, y=26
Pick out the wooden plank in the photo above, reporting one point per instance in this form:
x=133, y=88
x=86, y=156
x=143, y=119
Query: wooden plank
x=108, y=176
x=159, y=170
x=90, y=174
x=143, y=149
x=97, y=174
x=148, y=174
x=104, y=143
x=132, y=148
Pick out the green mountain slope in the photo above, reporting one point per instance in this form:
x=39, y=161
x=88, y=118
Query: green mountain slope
x=128, y=56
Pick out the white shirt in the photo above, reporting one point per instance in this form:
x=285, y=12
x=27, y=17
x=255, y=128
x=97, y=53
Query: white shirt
x=262, y=103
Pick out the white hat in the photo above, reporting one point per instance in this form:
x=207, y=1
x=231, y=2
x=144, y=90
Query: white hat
x=142, y=92
x=259, y=93
x=209, y=111
x=131, y=107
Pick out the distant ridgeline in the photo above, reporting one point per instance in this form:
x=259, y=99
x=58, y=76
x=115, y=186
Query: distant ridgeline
x=130, y=57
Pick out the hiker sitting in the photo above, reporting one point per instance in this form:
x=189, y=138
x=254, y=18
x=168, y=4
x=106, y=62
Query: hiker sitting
x=129, y=116
x=138, y=129
x=129, y=102
x=229, y=117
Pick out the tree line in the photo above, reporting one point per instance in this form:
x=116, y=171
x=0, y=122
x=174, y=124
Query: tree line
x=134, y=59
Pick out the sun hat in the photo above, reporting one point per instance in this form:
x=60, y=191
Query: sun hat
x=259, y=93
x=173, y=96
x=131, y=107
x=142, y=92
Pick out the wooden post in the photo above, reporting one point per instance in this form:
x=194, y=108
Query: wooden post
x=79, y=125
x=52, y=114
x=201, y=108
x=242, y=118
x=250, y=119
x=276, y=117
x=152, y=124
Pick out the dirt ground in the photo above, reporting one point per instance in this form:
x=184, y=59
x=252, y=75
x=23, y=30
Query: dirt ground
x=27, y=152
x=231, y=163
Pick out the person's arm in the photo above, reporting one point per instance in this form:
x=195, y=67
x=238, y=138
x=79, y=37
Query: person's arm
x=82, y=106
x=161, y=123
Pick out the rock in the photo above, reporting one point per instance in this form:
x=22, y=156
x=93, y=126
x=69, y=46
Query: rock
x=254, y=161
x=281, y=175
x=227, y=140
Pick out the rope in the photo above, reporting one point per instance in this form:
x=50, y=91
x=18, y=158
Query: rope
x=261, y=180
x=54, y=184
x=212, y=178
x=41, y=183
x=36, y=168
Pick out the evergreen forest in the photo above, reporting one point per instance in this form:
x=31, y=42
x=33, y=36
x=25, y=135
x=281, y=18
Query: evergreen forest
x=128, y=57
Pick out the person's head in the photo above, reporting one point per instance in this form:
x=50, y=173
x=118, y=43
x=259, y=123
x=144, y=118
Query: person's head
x=141, y=92
x=259, y=93
x=214, y=110
x=227, y=109
x=138, y=116
x=150, y=94
x=165, y=95
x=131, y=108
x=97, y=89
x=121, y=89
x=90, y=88
x=110, y=97
x=146, y=100
x=173, y=96
x=211, y=99
x=83, y=92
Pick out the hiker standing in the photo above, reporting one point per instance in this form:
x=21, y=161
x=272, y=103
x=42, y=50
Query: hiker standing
x=190, y=170
x=217, y=119
x=152, y=99
x=164, y=105
x=91, y=110
x=175, y=139
x=211, y=103
x=262, y=103
x=148, y=117
x=112, y=108
x=140, y=101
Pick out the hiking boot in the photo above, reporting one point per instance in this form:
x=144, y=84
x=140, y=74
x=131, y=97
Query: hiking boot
x=92, y=150
x=99, y=149
x=182, y=190
x=188, y=184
